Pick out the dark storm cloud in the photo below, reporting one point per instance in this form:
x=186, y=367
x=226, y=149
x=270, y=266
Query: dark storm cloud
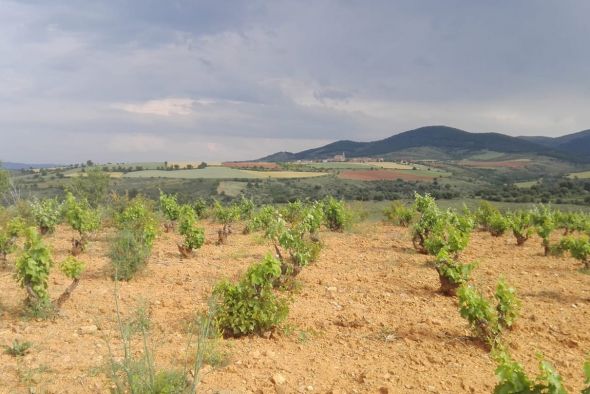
x=127, y=80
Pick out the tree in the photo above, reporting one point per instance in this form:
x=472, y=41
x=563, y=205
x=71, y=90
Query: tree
x=4, y=180
x=92, y=187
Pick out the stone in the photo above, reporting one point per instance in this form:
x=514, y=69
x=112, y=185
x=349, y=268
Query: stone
x=278, y=379
x=87, y=330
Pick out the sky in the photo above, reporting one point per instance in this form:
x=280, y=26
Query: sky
x=146, y=80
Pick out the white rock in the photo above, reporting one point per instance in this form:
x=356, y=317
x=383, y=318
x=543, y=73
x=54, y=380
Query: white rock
x=278, y=379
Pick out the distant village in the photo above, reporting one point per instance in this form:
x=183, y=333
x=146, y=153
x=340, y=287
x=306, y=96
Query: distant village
x=342, y=158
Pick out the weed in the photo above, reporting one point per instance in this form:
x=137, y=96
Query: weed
x=18, y=348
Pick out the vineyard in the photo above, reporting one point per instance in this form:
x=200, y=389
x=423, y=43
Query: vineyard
x=143, y=296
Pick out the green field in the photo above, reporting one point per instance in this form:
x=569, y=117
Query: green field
x=526, y=184
x=231, y=188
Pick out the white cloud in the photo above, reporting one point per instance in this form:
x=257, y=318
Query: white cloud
x=163, y=107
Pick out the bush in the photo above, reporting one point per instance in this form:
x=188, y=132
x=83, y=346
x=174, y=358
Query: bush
x=508, y=304
x=484, y=213
x=129, y=253
x=194, y=238
x=200, y=207
x=452, y=274
x=32, y=269
x=336, y=215
x=579, y=248
x=450, y=232
x=498, y=224
x=8, y=236
x=72, y=268
x=429, y=217
x=487, y=322
x=399, y=214
x=250, y=306
x=138, y=218
x=82, y=218
x=480, y=315
x=170, y=208
x=544, y=221
x=521, y=224
x=513, y=379
x=47, y=214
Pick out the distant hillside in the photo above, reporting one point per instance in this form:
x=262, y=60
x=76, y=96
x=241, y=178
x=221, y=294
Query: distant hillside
x=449, y=142
x=20, y=166
x=574, y=144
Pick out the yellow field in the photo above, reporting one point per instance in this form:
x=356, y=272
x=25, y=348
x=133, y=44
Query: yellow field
x=580, y=175
x=390, y=165
x=79, y=173
x=285, y=174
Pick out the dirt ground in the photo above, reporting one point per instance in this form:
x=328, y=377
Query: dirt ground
x=365, y=318
x=379, y=175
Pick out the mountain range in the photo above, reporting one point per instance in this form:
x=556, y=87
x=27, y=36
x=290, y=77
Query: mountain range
x=443, y=142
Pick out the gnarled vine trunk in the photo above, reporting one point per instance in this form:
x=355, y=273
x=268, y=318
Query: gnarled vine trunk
x=67, y=293
x=185, y=251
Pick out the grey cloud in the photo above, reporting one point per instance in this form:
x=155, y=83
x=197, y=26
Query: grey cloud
x=285, y=75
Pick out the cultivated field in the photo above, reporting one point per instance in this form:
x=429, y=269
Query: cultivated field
x=220, y=173
x=365, y=317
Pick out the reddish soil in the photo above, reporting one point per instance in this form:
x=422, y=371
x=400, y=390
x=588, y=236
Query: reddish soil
x=252, y=164
x=381, y=175
x=367, y=316
x=496, y=164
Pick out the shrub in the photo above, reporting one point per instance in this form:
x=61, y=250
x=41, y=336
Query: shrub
x=170, y=208
x=72, y=268
x=194, y=238
x=450, y=232
x=484, y=213
x=227, y=216
x=138, y=218
x=82, y=218
x=487, y=322
x=429, y=217
x=8, y=236
x=579, y=248
x=521, y=224
x=32, y=268
x=480, y=315
x=200, y=207
x=47, y=214
x=129, y=253
x=513, y=379
x=399, y=214
x=498, y=224
x=508, y=304
x=250, y=306
x=544, y=221
x=336, y=216
x=452, y=274
x=245, y=208
x=572, y=221
x=261, y=220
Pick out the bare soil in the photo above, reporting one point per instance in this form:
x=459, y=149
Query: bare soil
x=382, y=175
x=365, y=318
